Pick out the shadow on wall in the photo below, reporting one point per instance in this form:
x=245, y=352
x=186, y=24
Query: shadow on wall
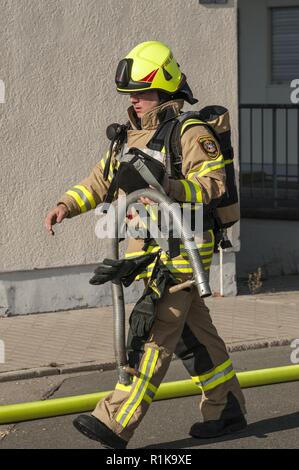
x=269, y=256
x=55, y=289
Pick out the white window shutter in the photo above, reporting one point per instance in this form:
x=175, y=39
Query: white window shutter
x=285, y=44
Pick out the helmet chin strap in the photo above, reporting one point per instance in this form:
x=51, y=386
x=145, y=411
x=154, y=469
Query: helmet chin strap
x=164, y=97
x=137, y=120
x=184, y=94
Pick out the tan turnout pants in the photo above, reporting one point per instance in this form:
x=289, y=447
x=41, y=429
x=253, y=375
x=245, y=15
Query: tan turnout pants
x=182, y=326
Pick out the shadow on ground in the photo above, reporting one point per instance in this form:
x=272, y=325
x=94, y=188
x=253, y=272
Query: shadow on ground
x=259, y=429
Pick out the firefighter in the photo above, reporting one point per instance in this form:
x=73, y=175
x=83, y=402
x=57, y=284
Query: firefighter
x=157, y=89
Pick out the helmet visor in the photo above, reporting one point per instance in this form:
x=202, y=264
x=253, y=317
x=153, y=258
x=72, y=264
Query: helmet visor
x=123, y=78
x=123, y=73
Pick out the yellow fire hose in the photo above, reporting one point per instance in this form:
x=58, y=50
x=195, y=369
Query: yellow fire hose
x=81, y=403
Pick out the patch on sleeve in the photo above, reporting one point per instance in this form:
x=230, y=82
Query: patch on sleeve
x=209, y=146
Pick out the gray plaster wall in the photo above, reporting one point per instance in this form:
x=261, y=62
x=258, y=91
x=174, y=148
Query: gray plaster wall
x=54, y=289
x=51, y=290
x=58, y=61
x=272, y=245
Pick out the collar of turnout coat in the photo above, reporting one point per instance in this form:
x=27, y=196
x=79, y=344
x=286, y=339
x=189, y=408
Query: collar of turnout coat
x=153, y=118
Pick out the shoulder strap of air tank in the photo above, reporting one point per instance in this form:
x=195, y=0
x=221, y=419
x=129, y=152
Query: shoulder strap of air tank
x=196, y=119
x=173, y=136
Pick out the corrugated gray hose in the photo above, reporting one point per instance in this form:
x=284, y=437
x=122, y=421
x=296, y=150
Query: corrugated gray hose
x=200, y=279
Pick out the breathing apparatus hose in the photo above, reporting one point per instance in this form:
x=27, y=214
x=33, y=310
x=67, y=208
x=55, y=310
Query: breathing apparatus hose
x=200, y=279
x=119, y=312
x=182, y=228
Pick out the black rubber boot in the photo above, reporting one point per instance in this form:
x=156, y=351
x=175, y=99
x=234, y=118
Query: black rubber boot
x=98, y=431
x=217, y=428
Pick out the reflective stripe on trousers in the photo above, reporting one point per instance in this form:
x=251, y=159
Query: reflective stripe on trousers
x=140, y=388
x=217, y=376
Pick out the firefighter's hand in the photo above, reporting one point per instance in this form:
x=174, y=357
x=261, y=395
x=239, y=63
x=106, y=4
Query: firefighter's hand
x=146, y=200
x=55, y=216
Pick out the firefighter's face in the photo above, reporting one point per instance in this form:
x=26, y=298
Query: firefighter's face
x=144, y=101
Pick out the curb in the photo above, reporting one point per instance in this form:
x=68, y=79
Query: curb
x=57, y=369
x=258, y=345
x=38, y=372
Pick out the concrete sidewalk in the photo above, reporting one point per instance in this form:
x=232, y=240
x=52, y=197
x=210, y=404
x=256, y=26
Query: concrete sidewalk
x=77, y=340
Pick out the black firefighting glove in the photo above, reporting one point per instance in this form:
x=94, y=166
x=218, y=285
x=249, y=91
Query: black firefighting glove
x=124, y=270
x=143, y=315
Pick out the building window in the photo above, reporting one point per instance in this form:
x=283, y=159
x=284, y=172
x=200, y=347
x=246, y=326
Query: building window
x=285, y=44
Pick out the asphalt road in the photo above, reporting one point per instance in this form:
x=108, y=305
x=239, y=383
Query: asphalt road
x=273, y=412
